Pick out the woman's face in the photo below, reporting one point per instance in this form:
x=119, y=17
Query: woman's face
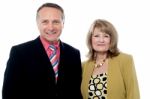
x=100, y=41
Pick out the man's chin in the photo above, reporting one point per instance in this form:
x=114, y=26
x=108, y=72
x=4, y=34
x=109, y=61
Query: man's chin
x=52, y=40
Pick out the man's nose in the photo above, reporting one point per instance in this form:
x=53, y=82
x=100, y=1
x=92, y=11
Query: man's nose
x=50, y=26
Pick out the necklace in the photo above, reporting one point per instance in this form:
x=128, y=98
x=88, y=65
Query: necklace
x=100, y=64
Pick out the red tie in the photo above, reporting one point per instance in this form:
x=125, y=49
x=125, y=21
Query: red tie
x=54, y=60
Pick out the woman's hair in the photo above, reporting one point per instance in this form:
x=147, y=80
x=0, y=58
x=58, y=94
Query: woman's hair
x=108, y=28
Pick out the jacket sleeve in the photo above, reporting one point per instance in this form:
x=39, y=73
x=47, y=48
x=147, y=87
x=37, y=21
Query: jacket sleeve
x=130, y=78
x=12, y=76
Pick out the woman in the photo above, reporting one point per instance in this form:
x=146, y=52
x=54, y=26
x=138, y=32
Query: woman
x=108, y=73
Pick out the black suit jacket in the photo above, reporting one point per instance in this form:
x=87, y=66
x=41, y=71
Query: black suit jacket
x=29, y=74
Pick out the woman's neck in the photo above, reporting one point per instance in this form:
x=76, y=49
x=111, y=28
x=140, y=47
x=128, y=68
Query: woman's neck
x=101, y=56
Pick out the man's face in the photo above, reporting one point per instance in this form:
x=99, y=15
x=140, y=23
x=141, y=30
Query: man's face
x=50, y=23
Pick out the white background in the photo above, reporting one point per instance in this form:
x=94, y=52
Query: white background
x=130, y=17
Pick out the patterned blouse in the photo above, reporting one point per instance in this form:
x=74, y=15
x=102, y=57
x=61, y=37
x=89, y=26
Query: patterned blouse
x=97, y=88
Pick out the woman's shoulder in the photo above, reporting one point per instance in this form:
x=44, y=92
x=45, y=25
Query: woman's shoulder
x=123, y=58
x=86, y=62
x=123, y=55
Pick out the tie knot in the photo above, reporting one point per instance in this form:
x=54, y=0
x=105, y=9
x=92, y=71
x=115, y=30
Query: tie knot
x=52, y=47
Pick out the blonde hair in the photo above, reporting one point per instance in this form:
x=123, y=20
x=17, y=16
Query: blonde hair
x=105, y=27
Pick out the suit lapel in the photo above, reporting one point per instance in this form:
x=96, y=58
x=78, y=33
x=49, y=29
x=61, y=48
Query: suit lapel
x=62, y=62
x=42, y=58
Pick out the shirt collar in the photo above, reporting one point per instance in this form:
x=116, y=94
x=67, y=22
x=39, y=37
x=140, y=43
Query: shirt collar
x=46, y=44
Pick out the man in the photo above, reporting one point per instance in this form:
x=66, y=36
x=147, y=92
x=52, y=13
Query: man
x=30, y=74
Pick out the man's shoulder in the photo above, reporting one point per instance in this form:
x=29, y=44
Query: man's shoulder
x=26, y=44
x=69, y=47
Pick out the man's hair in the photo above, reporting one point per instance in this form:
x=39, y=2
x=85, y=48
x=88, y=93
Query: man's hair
x=52, y=5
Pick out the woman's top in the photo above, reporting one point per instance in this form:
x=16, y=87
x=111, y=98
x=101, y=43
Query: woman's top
x=121, y=78
x=97, y=87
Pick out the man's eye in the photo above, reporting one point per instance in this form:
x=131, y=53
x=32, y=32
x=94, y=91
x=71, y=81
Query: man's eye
x=56, y=22
x=45, y=21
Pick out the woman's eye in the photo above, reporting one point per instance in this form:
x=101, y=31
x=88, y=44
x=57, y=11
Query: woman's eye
x=96, y=36
x=106, y=36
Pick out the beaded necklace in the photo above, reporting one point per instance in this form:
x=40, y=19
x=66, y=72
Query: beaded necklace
x=98, y=65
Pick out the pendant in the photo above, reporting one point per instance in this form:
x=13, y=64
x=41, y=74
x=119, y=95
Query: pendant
x=99, y=65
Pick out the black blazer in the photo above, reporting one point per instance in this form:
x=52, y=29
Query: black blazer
x=29, y=74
